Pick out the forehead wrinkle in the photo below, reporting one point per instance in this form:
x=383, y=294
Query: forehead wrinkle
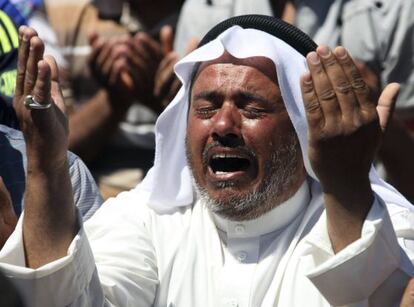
x=263, y=64
x=220, y=77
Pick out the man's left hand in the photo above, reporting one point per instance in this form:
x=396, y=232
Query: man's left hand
x=345, y=130
x=345, y=124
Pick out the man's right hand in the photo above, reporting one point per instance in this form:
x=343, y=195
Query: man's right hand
x=50, y=222
x=45, y=131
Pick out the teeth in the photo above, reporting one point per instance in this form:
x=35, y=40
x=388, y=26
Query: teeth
x=220, y=173
x=223, y=156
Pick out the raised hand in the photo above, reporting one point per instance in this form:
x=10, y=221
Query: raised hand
x=50, y=222
x=166, y=83
x=345, y=130
x=45, y=130
x=8, y=218
x=345, y=124
x=126, y=66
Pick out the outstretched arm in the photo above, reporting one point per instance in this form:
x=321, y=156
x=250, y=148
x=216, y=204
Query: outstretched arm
x=345, y=129
x=50, y=221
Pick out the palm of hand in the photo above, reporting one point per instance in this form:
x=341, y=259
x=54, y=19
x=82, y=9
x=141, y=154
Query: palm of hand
x=345, y=123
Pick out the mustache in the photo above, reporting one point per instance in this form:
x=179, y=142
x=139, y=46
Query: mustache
x=243, y=149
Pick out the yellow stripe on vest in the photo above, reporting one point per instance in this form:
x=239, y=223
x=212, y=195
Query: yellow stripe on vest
x=11, y=30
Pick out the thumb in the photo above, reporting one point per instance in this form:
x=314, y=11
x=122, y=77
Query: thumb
x=386, y=104
x=167, y=39
x=127, y=80
x=191, y=45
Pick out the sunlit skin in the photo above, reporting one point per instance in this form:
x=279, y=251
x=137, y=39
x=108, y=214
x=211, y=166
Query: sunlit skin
x=237, y=102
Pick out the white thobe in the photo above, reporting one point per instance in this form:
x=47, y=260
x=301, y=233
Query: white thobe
x=128, y=255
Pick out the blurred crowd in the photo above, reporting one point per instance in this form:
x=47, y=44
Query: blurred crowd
x=116, y=61
x=116, y=67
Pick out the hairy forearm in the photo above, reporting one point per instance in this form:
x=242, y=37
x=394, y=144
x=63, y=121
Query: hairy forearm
x=346, y=210
x=91, y=125
x=50, y=222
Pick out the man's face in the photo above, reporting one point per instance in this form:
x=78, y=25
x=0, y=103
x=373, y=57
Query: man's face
x=241, y=145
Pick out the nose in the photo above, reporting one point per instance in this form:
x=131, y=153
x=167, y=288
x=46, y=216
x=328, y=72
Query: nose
x=227, y=125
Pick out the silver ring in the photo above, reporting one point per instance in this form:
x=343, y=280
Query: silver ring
x=31, y=103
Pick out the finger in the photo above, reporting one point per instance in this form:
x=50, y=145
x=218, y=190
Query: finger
x=174, y=88
x=192, y=45
x=354, y=76
x=167, y=39
x=92, y=38
x=56, y=91
x=370, y=78
x=340, y=84
x=314, y=113
x=151, y=46
x=408, y=296
x=6, y=205
x=324, y=91
x=41, y=91
x=104, y=54
x=139, y=73
x=165, y=75
x=163, y=84
x=117, y=67
x=117, y=52
x=141, y=70
x=35, y=55
x=127, y=80
x=139, y=51
x=169, y=60
x=97, y=46
x=386, y=104
x=25, y=35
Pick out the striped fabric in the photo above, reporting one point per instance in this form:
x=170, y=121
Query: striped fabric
x=9, y=38
x=13, y=169
x=8, y=61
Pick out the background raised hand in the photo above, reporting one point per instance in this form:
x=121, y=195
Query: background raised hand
x=166, y=82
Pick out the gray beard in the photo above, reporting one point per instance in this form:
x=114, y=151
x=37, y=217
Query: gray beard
x=280, y=171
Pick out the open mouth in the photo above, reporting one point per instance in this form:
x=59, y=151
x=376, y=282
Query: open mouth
x=226, y=163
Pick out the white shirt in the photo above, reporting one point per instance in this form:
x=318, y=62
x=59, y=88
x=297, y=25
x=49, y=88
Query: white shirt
x=283, y=258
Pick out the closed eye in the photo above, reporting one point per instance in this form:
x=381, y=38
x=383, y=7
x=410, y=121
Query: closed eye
x=206, y=103
x=253, y=103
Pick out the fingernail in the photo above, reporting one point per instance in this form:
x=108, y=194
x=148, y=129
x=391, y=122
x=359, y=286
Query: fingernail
x=340, y=52
x=307, y=78
x=324, y=51
x=313, y=58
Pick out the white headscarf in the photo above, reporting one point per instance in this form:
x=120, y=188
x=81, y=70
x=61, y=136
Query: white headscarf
x=168, y=184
